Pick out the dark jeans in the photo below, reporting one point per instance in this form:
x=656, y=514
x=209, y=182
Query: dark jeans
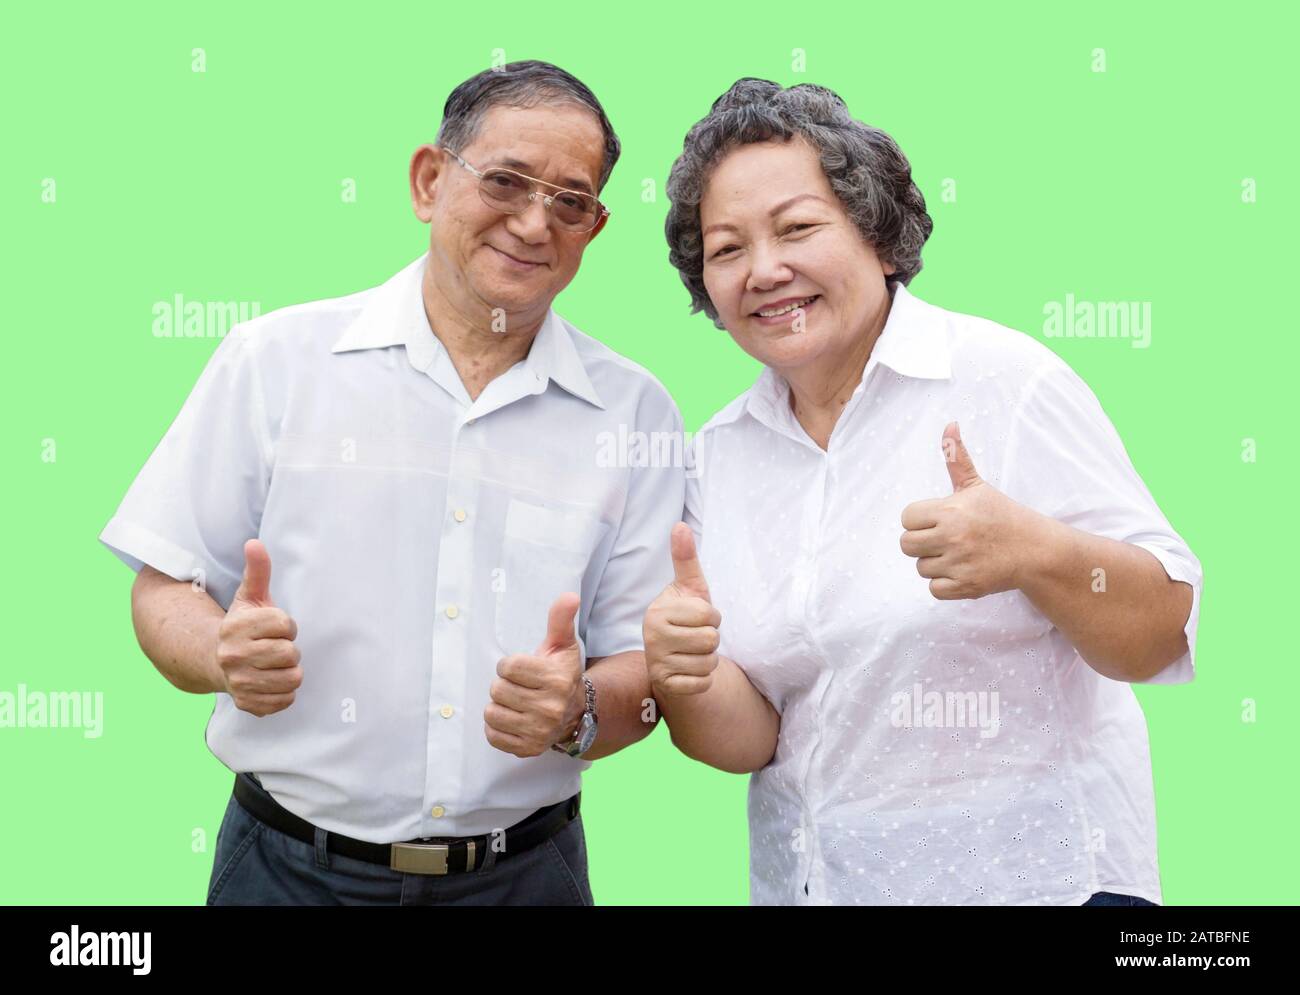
x=1110, y=898
x=258, y=865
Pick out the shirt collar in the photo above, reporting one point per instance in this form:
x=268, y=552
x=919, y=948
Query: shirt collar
x=913, y=343
x=389, y=318
x=554, y=356
x=394, y=315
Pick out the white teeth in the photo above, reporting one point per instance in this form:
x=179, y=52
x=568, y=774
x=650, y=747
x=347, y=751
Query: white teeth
x=787, y=308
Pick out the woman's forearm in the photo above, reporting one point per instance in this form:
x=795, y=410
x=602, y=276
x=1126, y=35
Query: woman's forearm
x=730, y=726
x=1112, y=600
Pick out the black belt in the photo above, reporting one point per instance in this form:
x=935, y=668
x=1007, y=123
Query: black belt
x=428, y=855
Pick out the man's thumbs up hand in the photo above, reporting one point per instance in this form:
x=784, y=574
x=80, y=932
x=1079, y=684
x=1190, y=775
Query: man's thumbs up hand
x=561, y=637
x=255, y=654
x=255, y=589
x=681, y=625
x=974, y=542
x=538, y=699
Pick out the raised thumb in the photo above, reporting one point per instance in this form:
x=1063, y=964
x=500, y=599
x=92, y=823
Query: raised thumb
x=688, y=575
x=961, y=469
x=560, y=634
x=255, y=588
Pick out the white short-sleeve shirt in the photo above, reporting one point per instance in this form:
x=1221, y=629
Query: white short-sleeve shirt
x=415, y=536
x=931, y=752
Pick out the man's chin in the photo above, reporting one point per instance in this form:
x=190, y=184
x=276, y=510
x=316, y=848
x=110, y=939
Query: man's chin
x=509, y=305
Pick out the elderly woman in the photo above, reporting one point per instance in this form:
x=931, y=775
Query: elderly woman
x=943, y=716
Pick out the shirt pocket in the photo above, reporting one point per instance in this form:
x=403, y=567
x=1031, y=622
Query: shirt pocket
x=545, y=552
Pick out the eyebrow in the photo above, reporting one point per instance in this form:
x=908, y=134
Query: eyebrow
x=771, y=214
x=568, y=182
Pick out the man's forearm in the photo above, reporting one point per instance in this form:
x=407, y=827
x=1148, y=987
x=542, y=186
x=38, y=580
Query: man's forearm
x=624, y=703
x=1127, y=622
x=731, y=726
x=176, y=627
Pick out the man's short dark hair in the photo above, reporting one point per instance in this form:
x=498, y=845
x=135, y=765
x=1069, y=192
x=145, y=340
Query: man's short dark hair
x=520, y=84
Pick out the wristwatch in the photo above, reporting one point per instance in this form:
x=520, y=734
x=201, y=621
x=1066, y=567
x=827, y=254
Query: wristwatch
x=585, y=734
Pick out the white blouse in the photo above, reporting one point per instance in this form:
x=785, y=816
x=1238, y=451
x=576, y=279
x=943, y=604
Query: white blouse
x=931, y=752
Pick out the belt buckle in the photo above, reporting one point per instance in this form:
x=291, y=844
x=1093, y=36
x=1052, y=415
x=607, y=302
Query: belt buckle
x=426, y=858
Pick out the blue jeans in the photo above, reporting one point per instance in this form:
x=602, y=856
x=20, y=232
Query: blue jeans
x=1111, y=898
x=258, y=865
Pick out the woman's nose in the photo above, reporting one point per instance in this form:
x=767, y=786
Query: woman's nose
x=767, y=269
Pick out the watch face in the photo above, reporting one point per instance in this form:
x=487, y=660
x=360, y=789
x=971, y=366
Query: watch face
x=586, y=733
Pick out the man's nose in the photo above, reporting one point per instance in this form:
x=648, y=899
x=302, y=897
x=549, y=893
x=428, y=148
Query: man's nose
x=533, y=223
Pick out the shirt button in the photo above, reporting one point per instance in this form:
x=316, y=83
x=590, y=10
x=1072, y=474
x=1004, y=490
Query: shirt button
x=470, y=421
x=437, y=811
x=452, y=611
x=446, y=711
x=459, y=514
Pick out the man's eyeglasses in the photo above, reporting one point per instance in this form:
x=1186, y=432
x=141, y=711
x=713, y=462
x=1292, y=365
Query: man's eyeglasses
x=512, y=192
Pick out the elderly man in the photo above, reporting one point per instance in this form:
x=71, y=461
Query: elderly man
x=453, y=627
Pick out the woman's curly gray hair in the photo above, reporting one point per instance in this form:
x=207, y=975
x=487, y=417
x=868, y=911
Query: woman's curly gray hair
x=866, y=169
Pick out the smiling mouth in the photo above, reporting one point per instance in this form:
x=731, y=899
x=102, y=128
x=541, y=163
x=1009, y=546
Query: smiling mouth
x=776, y=312
x=514, y=259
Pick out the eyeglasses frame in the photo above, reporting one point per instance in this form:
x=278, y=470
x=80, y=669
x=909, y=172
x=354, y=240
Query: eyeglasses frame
x=534, y=182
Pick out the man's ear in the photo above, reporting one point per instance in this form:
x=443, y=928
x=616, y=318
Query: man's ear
x=596, y=231
x=427, y=163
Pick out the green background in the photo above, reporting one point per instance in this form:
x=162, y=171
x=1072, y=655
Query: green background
x=225, y=185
